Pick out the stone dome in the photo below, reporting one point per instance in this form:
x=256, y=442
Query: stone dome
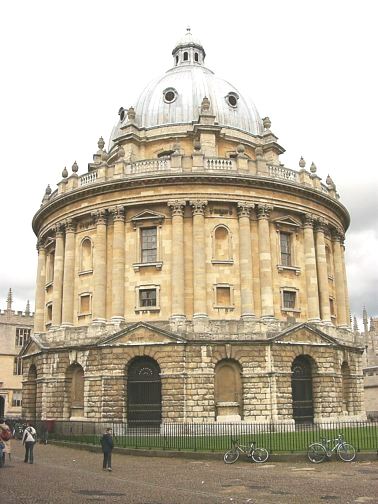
x=175, y=98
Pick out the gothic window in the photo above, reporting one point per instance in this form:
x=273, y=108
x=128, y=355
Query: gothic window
x=22, y=335
x=17, y=366
x=148, y=242
x=86, y=255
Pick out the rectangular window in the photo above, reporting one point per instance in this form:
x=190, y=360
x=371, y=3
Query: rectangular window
x=289, y=298
x=17, y=366
x=85, y=303
x=147, y=298
x=223, y=296
x=49, y=313
x=285, y=243
x=332, y=307
x=17, y=398
x=22, y=335
x=148, y=240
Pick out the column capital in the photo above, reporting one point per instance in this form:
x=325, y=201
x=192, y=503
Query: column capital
x=100, y=216
x=118, y=213
x=41, y=245
x=321, y=225
x=177, y=207
x=198, y=206
x=308, y=220
x=58, y=229
x=264, y=211
x=337, y=235
x=244, y=208
x=70, y=225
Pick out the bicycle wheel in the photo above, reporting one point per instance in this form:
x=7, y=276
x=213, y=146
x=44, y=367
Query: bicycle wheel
x=346, y=452
x=231, y=456
x=316, y=453
x=260, y=455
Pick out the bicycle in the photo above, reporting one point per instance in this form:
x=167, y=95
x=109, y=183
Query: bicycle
x=318, y=452
x=258, y=455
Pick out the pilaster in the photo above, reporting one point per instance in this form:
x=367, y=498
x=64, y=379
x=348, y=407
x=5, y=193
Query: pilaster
x=39, y=316
x=312, y=291
x=245, y=260
x=321, y=266
x=199, y=259
x=178, y=272
x=99, y=268
x=58, y=276
x=265, y=260
x=68, y=274
x=118, y=264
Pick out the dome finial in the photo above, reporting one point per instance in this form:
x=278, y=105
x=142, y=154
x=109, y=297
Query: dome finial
x=188, y=29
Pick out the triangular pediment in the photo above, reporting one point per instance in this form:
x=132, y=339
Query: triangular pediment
x=32, y=347
x=287, y=220
x=147, y=216
x=305, y=334
x=141, y=333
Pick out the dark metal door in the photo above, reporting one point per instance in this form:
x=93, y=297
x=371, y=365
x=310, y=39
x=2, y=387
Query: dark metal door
x=144, y=393
x=301, y=385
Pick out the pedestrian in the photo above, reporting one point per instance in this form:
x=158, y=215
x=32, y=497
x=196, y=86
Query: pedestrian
x=5, y=437
x=107, y=447
x=28, y=439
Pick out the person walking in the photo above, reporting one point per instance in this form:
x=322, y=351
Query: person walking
x=28, y=439
x=5, y=438
x=107, y=447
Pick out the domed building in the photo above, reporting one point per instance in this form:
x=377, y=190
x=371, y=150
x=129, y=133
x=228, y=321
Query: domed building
x=189, y=276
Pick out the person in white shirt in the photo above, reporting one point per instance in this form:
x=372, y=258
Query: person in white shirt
x=29, y=439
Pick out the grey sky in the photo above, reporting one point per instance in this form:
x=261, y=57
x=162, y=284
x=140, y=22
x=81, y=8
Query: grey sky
x=68, y=66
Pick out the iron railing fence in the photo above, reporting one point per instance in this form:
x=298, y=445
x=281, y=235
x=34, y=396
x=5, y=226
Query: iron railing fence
x=215, y=437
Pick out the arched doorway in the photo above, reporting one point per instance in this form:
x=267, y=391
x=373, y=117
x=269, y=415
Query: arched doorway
x=75, y=390
x=143, y=393
x=301, y=386
x=228, y=390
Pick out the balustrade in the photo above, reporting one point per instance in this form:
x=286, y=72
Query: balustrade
x=88, y=178
x=283, y=173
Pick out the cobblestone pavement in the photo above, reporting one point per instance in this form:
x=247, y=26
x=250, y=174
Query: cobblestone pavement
x=66, y=475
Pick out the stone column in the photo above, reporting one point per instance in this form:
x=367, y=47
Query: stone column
x=99, y=268
x=178, y=271
x=39, y=316
x=347, y=307
x=312, y=291
x=321, y=266
x=199, y=259
x=118, y=265
x=245, y=260
x=69, y=274
x=337, y=238
x=265, y=260
x=58, y=276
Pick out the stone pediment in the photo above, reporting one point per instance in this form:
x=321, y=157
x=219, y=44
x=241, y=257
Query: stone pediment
x=141, y=333
x=288, y=220
x=147, y=216
x=305, y=334
x=32, y=347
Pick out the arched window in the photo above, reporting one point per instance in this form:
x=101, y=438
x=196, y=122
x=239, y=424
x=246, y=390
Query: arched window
x=346, y=392
x=221, y=244
x=228, y=390
x=75, y=379
x=196, y=57
x=186, y=56
x=301, y=386
x=86, y=255
x=50, y=267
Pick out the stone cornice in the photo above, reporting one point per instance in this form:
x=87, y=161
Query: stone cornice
x=277, y=185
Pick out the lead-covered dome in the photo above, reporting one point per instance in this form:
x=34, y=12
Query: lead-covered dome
x=176, y=97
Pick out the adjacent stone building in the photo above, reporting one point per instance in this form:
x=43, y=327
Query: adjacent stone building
x=369, y=338
x=189, y=276
x=16, y=328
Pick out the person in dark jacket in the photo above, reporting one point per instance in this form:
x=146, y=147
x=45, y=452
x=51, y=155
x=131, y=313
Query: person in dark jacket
x=107, y=447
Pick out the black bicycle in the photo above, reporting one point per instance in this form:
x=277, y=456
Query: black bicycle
x=258, y=455
x=318, y=452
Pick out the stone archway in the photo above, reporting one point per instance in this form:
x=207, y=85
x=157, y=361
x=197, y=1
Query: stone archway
x=302, y=390
x=228, y=391
x=144, y=393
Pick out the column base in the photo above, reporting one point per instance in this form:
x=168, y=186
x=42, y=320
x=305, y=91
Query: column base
x=66, y=324
x=99, y=321
x=177, y=318
x=200, y=316
x=248, y=317
x=268, y=318
x=117, y=319
x=314, y=320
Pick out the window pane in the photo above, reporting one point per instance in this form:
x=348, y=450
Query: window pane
x=285, y=249
x=223, y=296
x=149, y=244
x=289, y=299
x=147, y=297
